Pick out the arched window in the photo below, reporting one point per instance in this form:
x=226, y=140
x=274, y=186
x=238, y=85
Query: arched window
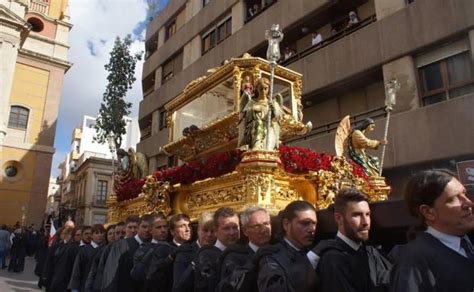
x=18, y=117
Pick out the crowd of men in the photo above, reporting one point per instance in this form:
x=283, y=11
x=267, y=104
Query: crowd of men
x=156, y=253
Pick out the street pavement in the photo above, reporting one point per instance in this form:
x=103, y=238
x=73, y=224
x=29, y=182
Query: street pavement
x=20, y=282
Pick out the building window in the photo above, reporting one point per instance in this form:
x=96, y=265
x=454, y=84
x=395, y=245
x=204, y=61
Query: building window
x=446, y=79
x=224, y=30
x=162, y=119
x=18, y=117
x=170, y=29
x=172, y=67
x=101, y=194
x=216, y=35
x=99, y=219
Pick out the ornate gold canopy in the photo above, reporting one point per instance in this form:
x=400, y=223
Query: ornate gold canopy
x=203, y=120
x=220, y=132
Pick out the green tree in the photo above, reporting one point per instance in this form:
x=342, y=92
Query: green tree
x=121, y=68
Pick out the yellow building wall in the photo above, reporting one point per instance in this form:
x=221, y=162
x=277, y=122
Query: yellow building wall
x=29, y=89
x=57, y=8
x=17, y=192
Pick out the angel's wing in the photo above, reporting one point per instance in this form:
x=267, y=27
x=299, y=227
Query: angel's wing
x=244, y=101
x=342, y=134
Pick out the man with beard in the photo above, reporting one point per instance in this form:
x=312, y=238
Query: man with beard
x=442, y=257
x=286, y=266
x=160, y=273
x=92, y=239
x=183, y=273
x=346, y=263
x=207, y=264
x=119, y=262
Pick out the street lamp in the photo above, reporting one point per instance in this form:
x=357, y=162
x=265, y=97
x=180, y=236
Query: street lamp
x=112, y=147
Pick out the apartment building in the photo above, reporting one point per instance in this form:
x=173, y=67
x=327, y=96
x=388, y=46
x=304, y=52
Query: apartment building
x=86, y=173
x=427, y=45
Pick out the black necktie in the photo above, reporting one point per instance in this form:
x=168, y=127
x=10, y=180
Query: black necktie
x=467, y=248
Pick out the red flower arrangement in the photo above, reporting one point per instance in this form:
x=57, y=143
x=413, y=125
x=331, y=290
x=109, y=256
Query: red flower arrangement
x=130, y=190
x=297, y=160
x=300, y=160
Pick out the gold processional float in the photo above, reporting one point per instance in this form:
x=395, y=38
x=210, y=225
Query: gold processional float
x=228, y=130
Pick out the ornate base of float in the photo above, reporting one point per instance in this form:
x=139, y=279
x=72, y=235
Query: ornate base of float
x=259, y=180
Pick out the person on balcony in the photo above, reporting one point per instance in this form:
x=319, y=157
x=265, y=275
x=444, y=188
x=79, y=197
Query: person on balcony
x=353, y=20
x=316, y=38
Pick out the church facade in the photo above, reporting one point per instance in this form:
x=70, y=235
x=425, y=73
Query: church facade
x=33, y=50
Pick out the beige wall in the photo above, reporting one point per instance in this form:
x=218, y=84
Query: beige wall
x=386, y=7
x=419, y=135
x=88, y=175
x=370, y=47
x=404, y=71
x=339, y=105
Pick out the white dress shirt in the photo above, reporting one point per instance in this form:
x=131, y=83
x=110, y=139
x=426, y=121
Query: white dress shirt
x=451, y=241
x=220, y=245
x=354, y=245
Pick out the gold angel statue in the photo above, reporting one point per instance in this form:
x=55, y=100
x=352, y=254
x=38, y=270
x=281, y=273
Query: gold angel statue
x=132, y=165
x=353, y=141
x=254, y=111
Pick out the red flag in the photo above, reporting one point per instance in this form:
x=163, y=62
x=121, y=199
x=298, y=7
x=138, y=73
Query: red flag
x=52, y=233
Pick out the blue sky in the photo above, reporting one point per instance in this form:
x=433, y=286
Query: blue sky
x=96, y=23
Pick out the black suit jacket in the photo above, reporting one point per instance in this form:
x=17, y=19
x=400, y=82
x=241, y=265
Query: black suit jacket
x=183, y=275
x=282, y=268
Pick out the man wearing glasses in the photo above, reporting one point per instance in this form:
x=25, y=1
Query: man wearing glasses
x=237, y=259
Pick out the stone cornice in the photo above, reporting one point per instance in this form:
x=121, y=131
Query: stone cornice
x=29, y=146
x=14, y=21
x=47, y=40
x=46, y=59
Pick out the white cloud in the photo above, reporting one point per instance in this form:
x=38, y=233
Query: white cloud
x=96, y=23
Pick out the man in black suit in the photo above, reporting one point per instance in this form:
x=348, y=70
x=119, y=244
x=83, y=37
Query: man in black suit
x=119, y=261
x=183, y=273
x=207, y=264
x=442, y=257
x=94, y=279
x=92, y=238
x=285, y=266
x=238, y=259
x=160, y=272
x=346, y=262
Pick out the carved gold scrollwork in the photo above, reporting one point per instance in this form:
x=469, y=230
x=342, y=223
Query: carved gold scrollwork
x=217, y=197
x=286, y=194
x=156, y=196
x=258, y=187
x=297, y=87
x=328, y=183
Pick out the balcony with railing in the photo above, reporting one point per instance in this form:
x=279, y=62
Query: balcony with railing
x=41, y=6
x=88, y=154
x=325, y=42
